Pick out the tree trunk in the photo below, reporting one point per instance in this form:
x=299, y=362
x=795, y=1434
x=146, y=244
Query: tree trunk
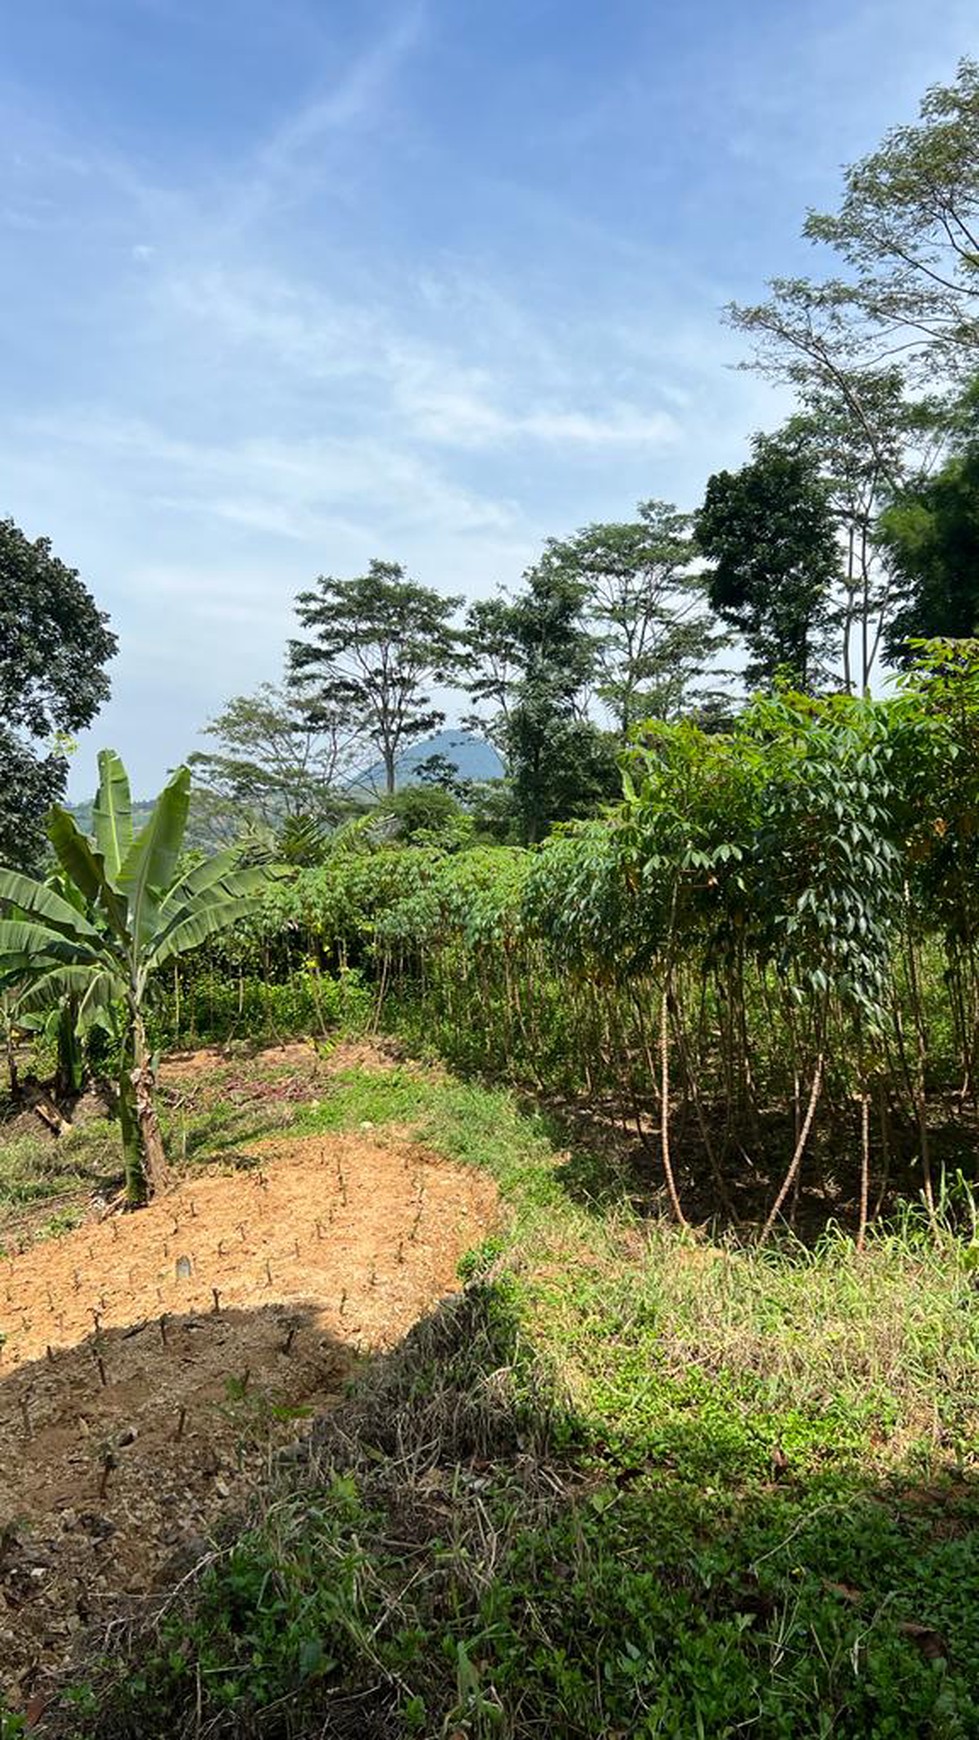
x=132, y=1148
x=143, y=1079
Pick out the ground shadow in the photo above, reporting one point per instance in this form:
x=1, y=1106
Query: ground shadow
x=122, y=1450
x=518, y=1575
x=615, y=1157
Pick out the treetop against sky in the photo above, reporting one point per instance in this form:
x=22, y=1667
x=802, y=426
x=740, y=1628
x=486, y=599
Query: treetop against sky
x=290, y=287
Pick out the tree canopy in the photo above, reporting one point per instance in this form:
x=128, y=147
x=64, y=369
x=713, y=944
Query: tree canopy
x=377, y=642
x=769, y=534
x=54, y=646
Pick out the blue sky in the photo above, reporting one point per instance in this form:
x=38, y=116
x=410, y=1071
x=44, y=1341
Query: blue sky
x=287, y=286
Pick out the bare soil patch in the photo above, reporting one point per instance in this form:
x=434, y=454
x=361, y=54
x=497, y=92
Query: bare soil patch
x=151, y=1360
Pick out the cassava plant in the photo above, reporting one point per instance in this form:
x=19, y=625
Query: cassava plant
x=135, y=914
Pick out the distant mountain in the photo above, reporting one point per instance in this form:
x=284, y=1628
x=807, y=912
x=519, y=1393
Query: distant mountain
x=472, y=757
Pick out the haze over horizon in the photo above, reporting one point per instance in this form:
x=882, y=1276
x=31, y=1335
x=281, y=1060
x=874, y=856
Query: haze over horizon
x=288, y=288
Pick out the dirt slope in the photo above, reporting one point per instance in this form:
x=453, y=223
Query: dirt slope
x=149, y=1360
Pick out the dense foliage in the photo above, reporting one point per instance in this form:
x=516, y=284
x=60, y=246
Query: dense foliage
x=763, y=960
x=54, y=646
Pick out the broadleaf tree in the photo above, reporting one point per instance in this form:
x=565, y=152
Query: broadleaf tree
x=54, y=646
x=536, y=673
x=275, y=764
x=655, y=638
x=769, y=534
x=376, y=646
x=931, y=532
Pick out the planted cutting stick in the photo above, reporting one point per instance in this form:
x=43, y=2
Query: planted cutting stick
x=216, y=1296
x=115, y=1228
x=220, y=1247
x=77, y=1280
x=163, y=1328
x=108, y=1464
x=241, y=1229
x=297, y=1247
x=319, y=1229
x=50, y=1355
x=97, y=1320
x=103, y=1380
x=268, y=1272
x=193, y=1209
x=343, y=1301
x=290, y=1338
x=181, y=1422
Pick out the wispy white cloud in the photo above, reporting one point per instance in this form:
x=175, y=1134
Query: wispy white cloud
x=427, y=388
x=292, y=488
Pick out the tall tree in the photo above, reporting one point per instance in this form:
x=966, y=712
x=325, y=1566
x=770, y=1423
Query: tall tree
x=655, y=635
x=377, y=644
x=907, y=229
x=54, y=646
x=537, y=674
x=769, y=533
x=904, y=304
x=931, y=531
x=277, y=761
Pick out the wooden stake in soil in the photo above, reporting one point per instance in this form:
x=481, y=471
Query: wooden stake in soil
x=163, y=1328
x=181, y=1422
x=216, y=1296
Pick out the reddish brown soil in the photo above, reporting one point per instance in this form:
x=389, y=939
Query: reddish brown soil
x=137, y=1403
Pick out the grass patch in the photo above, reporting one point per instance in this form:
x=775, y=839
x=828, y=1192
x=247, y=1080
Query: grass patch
x=37, y=1171
x=629, y=1483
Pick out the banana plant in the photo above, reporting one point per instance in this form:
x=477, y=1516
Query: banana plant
x=136, y=914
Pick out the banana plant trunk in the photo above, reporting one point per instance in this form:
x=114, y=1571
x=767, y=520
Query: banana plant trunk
x=144, y=1085
x=147, y=1172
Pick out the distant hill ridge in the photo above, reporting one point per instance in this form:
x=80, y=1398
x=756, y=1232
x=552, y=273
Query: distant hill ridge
x=472, y=757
